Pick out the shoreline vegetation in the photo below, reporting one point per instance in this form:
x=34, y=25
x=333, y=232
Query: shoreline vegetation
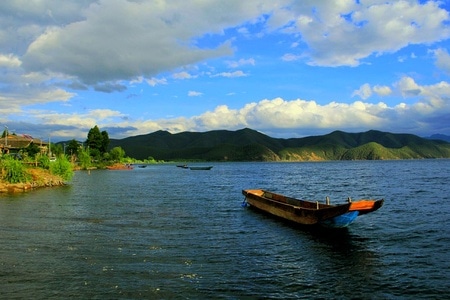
x=35, y=177
x=25, y=165
x=40, y=178
x=19, y=175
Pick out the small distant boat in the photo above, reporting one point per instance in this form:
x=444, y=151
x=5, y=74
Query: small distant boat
x=201, y=168
x=183, y=166
x=309, y=212
x=142, y=166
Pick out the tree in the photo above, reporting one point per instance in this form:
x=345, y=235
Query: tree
x=72, y=147
x=32, y=149
x=57, y=149
x=105, y=142
x=117, y=154
x=94, y=139
x=97, y=142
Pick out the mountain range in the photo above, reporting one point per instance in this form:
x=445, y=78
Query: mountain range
x=250, y=145
x=440, y=137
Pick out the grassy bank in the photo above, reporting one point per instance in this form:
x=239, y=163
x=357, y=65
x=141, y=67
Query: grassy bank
x=38, y=178
x=18, y=176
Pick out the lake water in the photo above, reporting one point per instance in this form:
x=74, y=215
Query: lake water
x=163, y=232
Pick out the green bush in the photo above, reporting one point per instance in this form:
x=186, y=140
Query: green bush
x=13, y=170
x=44, y=161
x=62, y=167
x=84, y=158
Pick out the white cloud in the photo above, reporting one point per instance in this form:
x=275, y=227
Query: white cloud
x=442, y=59
x=408, y=87
x=364, y=92
x=230, y=74
x=432, y=100
x=294, y=115
x=347, y=32
x=85, y=120
x=151, y=37
x=103, y=114
x=382, y=90
x=194, y=94
x=241, y=62
x=155, y=81
x=24, y=21
x=283, y=116
x=29, y=95
x=290, y=57
x=86, y=43
x=182, y=75
x=148, y=38
x=218, y=118
x=9, y=61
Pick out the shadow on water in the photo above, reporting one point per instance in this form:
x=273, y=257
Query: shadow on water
x=338, y=239
x=346, y=245
x=314, y=257
x=341, y=241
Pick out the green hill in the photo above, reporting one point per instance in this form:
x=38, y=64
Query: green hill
x=250, y=145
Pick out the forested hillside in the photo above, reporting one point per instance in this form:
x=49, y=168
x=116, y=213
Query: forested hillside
x=250, y=145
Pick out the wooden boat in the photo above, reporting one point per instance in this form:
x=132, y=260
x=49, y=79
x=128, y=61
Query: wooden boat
x=308, y=212
x=201, y=168
x=294, y=210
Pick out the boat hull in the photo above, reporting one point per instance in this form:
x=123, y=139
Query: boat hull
x=308, y=212
x=305, y=213
x=341, y=221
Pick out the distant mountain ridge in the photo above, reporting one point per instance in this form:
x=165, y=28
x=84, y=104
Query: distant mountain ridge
x=250, y=145
x=441, y=137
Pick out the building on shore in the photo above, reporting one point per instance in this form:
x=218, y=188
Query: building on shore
x=12, y=143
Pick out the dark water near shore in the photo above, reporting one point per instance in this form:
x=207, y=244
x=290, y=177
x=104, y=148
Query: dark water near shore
x=163, y=232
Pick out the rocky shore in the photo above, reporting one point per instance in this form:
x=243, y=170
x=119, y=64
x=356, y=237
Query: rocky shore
x=39, y=178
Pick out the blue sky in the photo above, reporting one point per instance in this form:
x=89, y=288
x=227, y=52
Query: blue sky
x=284, y=68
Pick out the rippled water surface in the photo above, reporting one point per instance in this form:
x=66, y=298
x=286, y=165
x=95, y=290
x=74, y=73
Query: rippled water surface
x=163, y=232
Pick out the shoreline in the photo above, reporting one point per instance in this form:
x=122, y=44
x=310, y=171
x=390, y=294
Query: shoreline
x=39, y=179
x=12, y=188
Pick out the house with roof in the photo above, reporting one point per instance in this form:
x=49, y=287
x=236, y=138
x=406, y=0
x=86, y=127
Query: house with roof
x=12, y=143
